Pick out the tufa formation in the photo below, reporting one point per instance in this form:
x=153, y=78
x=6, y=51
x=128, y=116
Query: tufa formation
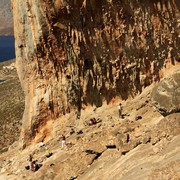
x=74, y=54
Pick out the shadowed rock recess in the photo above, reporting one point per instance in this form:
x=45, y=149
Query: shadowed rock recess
x=72, y=54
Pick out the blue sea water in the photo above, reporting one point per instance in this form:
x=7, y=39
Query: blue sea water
x=7, y=49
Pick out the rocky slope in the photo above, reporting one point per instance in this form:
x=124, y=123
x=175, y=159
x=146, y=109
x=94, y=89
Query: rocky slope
x=11, y=106
x=141, y=145
x=6, y=18
x=75, y=54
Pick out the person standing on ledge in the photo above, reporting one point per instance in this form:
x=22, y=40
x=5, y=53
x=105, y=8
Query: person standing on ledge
x=120, y=110
x=63, y=140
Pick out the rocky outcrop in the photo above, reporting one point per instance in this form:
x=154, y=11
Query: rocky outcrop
x=71, y=54
x=166, y=95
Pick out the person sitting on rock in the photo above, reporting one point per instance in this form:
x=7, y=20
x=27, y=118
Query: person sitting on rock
x=32, y=166
x=30, y=160
x=42, y=144
x=92, y=121
x=72, y=131
x=69, y=144
x=35, y=166
x=48, y=153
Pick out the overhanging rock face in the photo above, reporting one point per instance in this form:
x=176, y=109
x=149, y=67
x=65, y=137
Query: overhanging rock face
x=166, y=95
x=71, y=54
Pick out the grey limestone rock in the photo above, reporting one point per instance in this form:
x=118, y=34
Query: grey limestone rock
x=166, y=94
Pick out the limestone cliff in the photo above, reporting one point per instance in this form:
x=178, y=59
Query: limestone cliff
x=71, y=54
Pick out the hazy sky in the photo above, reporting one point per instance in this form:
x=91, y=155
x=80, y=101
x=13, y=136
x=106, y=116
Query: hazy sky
x=6, y=19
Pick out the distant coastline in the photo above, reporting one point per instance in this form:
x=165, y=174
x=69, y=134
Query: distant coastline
x=6, y=31
x=7, y=48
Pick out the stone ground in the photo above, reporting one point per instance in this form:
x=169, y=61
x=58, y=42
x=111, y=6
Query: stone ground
x=141, y=145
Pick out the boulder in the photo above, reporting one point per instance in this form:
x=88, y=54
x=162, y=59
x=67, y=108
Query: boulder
x=166, y=94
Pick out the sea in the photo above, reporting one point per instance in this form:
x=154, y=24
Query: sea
x=7, y=48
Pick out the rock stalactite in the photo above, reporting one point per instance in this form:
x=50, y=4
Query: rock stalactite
x=71, y=54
